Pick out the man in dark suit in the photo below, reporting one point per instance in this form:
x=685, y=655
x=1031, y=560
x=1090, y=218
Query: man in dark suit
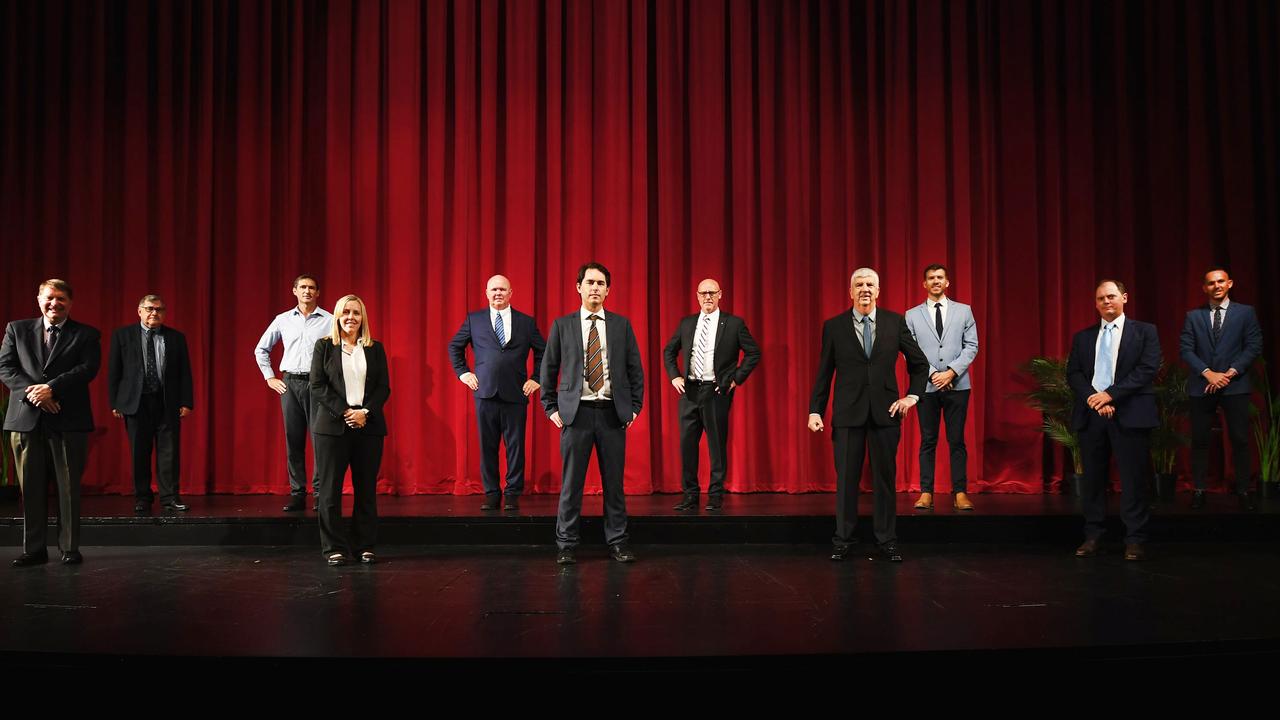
x=501, y=338
x=1110, y=370
x=47, y=364
x=710, y=342
x=861, y=349
x=1219, y=343
x=592, y=389
x=149, y=383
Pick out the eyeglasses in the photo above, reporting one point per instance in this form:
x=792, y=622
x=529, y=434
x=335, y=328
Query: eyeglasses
x=150, y=310
x=708, y=293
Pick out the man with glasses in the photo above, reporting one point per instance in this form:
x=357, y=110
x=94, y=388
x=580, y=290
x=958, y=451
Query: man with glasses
x=719, y=353
x=149, y=384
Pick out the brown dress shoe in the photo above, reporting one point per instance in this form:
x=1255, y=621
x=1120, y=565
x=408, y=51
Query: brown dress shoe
x=962, y=502
x=1088, y=548
x=925, y=502
x=1134, y=551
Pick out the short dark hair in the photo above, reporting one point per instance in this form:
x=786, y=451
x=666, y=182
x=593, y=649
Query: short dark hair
x=149, y=298
x=1215, y=268
x=582, y=272
x=305, y=276
x=935, y=266
x=1119, y=285
x=60, y=285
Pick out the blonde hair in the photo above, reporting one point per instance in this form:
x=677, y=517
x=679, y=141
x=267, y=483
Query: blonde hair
x=335, y=333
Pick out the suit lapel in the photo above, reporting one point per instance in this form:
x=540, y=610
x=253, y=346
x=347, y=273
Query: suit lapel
x=1091, y=349
x=612, y=337
x=335, y=371
x=928, y=321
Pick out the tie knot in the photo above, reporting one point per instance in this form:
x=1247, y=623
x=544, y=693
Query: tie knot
x=593, y=317
x=53, y=329
x=937, y=305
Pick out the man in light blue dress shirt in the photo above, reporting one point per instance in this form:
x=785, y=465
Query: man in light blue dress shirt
x=298, y=328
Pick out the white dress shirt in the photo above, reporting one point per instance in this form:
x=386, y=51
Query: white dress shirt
x=299, y=335
x=708, y=356
x=606, y=390
x=505, y=314
x=354, y=370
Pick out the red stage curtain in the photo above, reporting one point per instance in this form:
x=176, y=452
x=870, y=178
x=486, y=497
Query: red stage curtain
x=405, y=151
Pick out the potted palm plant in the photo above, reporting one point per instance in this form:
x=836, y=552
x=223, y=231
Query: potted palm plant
x=1266, y=431
x=1168, y=437
x=1051, y=396
x=8, y=487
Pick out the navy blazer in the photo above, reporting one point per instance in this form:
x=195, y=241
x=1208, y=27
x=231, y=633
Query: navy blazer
x=501, y=370
x=329, y=389
x=866, y=387
x=1239, y=345
x=562, y=371
x=732, y=339
x=1137, y=362
x=125, y=367
x=69, y=368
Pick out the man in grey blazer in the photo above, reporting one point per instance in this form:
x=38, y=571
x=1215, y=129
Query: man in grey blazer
x=592, y=389
x=47, y=364
x=946, y=332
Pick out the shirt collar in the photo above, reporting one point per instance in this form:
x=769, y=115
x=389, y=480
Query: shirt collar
x=1118, y=322
x=584, y=313
x=946, y=302
x=857, y=316
x=1226, y=303
x=45, y=321
x=296, y=311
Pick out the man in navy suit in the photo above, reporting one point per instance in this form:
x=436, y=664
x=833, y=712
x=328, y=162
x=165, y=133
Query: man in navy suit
x=500, y=338
x=592, y=389
x=860, y=348
x=47, y=364
x=1219, y=342
x=942, y=323
x=711, y=343
x=149, y=385
x=1110, y=370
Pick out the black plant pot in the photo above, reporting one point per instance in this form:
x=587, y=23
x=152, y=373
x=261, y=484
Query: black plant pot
x=1166, y=485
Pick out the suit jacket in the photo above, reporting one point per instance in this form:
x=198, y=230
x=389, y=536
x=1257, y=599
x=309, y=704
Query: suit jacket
x=1137, y=362
x=72, y=364
x=562, y=371
x=329, y=389
x=501, y=371
x=125, y=365
x=732, y=339
x=957, y=347
x=866, y=387
x=1239, y=345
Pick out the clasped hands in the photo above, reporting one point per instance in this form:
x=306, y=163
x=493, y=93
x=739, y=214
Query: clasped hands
x=42, y=397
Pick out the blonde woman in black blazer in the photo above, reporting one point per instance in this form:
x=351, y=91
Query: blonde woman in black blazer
x=348, y=429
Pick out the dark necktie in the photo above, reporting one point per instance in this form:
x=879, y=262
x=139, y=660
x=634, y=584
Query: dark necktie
x=497, y=328
x=1217, y=324
x=50, y=341
x=595, y=362
x=937, y=319
x=150, y=378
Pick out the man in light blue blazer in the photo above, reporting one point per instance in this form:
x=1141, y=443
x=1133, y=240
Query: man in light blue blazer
x=1219, y=343
x=946, y=332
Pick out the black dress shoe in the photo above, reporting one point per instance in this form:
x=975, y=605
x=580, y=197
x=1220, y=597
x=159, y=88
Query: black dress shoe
x=29, y=559
x=1134, y=552
x=1247, y=503
x=491, y=502
x=72, y=558
x=621, y=553
x=889, y=551
x=565, y=557
x=715, y=502
x=1088, y=548
x=1197, y=500
x=840, y=553
x=176, y=505
x=142, y=507
x=297, y=504
x=688, y=502
x=511, y=503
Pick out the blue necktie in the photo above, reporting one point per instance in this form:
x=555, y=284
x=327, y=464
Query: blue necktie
x=1103, y=373
x=497, y=328
x=867, y=340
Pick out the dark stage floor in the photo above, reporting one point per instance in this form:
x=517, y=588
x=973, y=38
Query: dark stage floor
x=747, y=606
